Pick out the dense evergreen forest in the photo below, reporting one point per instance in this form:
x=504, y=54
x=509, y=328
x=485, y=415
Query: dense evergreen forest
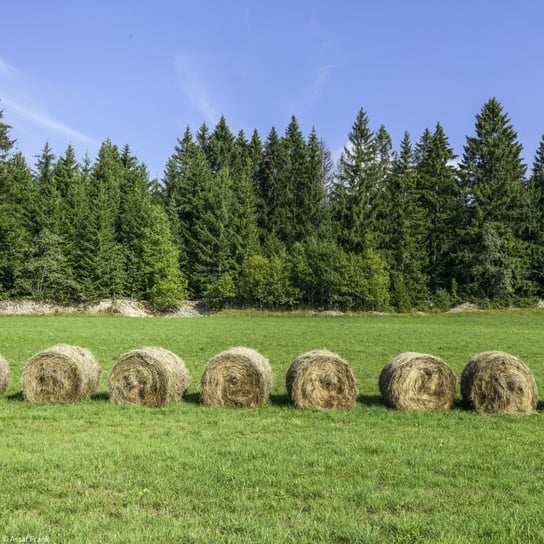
x=274, y=223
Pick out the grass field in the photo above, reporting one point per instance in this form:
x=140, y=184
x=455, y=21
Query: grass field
x=95, y=472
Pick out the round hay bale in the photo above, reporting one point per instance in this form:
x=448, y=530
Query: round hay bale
x=495, y=382
x=148, y=376
x=321, y=379
x=61, y=374
x=417, y=381
x=237, y=377
x=4, y=375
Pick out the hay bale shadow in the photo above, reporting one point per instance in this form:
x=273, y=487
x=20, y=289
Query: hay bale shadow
x=281, y=400
x=191, y=398
x=371, y=400
x=103, y=396
x=16, y=397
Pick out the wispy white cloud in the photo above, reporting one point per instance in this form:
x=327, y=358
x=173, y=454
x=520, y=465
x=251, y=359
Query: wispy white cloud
x=14, y=83
x=196, y=88
x=321, y=79
x=45, y=121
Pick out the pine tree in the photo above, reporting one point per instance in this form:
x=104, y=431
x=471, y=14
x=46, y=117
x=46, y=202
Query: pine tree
x=297, y=192
x=105, y=264
x=384, y=147
x=255, y=151
x=355, y=188
x=245, y=230
x=492, y=175
x=164, y=284
x=133, y=218
x=404, y=233
x=73, y=217
x=440, y=198
x=6, y=143
x=270, y=199
x=535, y=235
x=174, y=192
x=48, y=197
x=222, y=147
x=46, y=274
x=189, y=187
x=16, y=219
x=319, y=178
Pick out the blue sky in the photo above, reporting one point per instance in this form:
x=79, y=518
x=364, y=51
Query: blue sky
x=139, y=72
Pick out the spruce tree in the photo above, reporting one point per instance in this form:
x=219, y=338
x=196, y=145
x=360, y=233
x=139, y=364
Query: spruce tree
x=535, y=236
x=133, y=218
x=245, y=229
x=299, y=194
x=174, y=193
x=48, y=205
x=319, y=178
x=221, y=147
x=189, y=187
x=270, y=199
x=384, y=147
x=16, y=219
x=404, y=233
x=492, y=175
x=164, y=284
x=441, y=200
x=105, y=263
x=46, y=274
x=355, y=188
x=6, y=143
x=73, y=217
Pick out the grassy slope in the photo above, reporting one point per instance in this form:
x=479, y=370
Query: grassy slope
x=94, y=472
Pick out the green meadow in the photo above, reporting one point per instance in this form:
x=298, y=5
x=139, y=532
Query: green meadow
x=95, y=472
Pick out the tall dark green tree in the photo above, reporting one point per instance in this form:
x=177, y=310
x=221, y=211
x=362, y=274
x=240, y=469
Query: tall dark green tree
x=441, y=200
x=133, y=218
x=270, y=199
x=356, y=186
x=300, y=186
x=174, y=191
x=384, y=146
x=245, y=227
x=189, y=187
x=403, y=233
x=48, y=205
x=164, y=284
x=105, y=263
x=73, y=218
x=16, y=211
x=46, y=274
x=6, y=143
x=222, y=150
x=492, y=175
x=535, y=236
x=319, y=179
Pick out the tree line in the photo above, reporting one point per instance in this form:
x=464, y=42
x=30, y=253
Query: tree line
x=239, y=221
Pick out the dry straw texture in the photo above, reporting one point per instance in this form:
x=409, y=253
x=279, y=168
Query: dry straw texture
x=4, y=375
x=60, y=374
x=495, y=382
x=417, y=381
x=238, y=377
x=321, y=379
x=149, y=376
